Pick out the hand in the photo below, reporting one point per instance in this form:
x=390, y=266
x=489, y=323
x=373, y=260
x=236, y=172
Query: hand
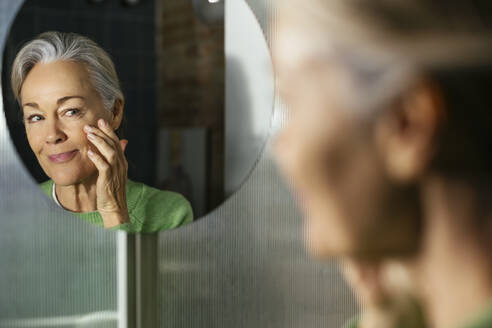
x=111, y=163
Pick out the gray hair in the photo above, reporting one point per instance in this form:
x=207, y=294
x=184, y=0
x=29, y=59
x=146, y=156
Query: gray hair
x=388, y=43
x=52, y=46
x=428, y=33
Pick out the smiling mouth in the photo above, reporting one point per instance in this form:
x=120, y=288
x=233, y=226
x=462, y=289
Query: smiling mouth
x=62, y=157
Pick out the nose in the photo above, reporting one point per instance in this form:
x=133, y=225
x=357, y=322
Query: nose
x=54, y=133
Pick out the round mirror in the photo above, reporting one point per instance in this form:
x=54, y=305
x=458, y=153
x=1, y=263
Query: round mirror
x=197, y=118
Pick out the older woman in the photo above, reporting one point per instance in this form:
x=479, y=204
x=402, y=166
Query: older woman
x=72, y=104
x=389, y=146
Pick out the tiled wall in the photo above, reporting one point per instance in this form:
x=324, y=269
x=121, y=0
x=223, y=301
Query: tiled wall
x=128, y=34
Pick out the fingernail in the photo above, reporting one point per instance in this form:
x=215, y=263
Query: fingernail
x=90, y=152
x=87, y=128
x=90, y=135
x=102, y=122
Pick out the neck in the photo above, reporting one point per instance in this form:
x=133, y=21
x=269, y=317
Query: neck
x=79, y=197
x=453, y=270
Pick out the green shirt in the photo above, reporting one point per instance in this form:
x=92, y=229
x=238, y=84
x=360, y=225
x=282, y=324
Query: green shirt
x=483, y=319
x=352, y=323
x=150, y=209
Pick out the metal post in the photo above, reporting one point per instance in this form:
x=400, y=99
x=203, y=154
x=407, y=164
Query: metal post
x=147, y=310
x=126, y=280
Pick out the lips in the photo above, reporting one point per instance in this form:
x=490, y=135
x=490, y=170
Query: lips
x=63, y=157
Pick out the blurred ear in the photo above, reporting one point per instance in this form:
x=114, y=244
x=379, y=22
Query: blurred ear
x=406, y=133
x=117, y=113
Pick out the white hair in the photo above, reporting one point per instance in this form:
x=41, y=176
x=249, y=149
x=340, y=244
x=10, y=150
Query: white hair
x=387, y=44
x=52, y=46
x=428, y=33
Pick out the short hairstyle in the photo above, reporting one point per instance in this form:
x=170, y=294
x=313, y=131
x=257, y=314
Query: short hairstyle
x=52, y=46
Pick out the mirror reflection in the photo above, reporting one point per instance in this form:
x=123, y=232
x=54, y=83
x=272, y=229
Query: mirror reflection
x=119, y=114
x=72, y=108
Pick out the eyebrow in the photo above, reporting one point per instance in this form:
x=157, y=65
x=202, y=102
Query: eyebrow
x=62, y=100
x=58, y=102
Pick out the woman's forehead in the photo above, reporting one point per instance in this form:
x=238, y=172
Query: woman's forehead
x=51, y=81
x=298, y=41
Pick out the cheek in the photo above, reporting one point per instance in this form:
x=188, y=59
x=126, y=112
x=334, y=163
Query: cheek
x=34, y=138
x=78, y=138
x=340, y=180
x=74, y=128
x=306, y=151
x=290, y=153
x=324, y=155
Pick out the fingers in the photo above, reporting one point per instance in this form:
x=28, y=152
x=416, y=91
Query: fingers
x=102, y=166
x=110, y=161
x=107, y=143
x=106, y=128
x=110, y=152
x=98, y=132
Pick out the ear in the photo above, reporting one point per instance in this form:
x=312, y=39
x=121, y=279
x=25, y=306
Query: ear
x=406, y=132
x=117, y=113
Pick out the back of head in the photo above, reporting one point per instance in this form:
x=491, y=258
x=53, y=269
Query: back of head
x=425, y=32
x=448, y=42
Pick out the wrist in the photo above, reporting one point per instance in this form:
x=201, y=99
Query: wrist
x=113, y=219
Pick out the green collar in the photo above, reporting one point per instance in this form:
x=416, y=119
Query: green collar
x=483, y=319
x=134, y=192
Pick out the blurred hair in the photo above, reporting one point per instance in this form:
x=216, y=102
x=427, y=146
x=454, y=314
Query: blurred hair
x=447, y=41
x=424, y=32
x=52, y=46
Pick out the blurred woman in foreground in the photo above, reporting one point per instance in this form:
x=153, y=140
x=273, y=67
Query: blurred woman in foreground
x=388, y=145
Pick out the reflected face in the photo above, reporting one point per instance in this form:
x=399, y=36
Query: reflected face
x=329, y=154
x=58, y=100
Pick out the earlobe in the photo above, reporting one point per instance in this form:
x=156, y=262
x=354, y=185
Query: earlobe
x=406, y=133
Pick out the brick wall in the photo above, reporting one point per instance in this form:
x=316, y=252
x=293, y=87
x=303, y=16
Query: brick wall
x=190, y=62
x=190, y=66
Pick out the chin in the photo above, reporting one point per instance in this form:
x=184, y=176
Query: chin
x=63, y=180
x=69, y=173
x=67, y=177
x=322, y=242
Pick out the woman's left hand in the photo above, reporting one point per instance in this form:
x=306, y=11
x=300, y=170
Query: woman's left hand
x=111, y=163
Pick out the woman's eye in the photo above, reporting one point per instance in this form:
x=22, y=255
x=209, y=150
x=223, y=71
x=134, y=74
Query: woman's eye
x=72, y=112
x=34, y=118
